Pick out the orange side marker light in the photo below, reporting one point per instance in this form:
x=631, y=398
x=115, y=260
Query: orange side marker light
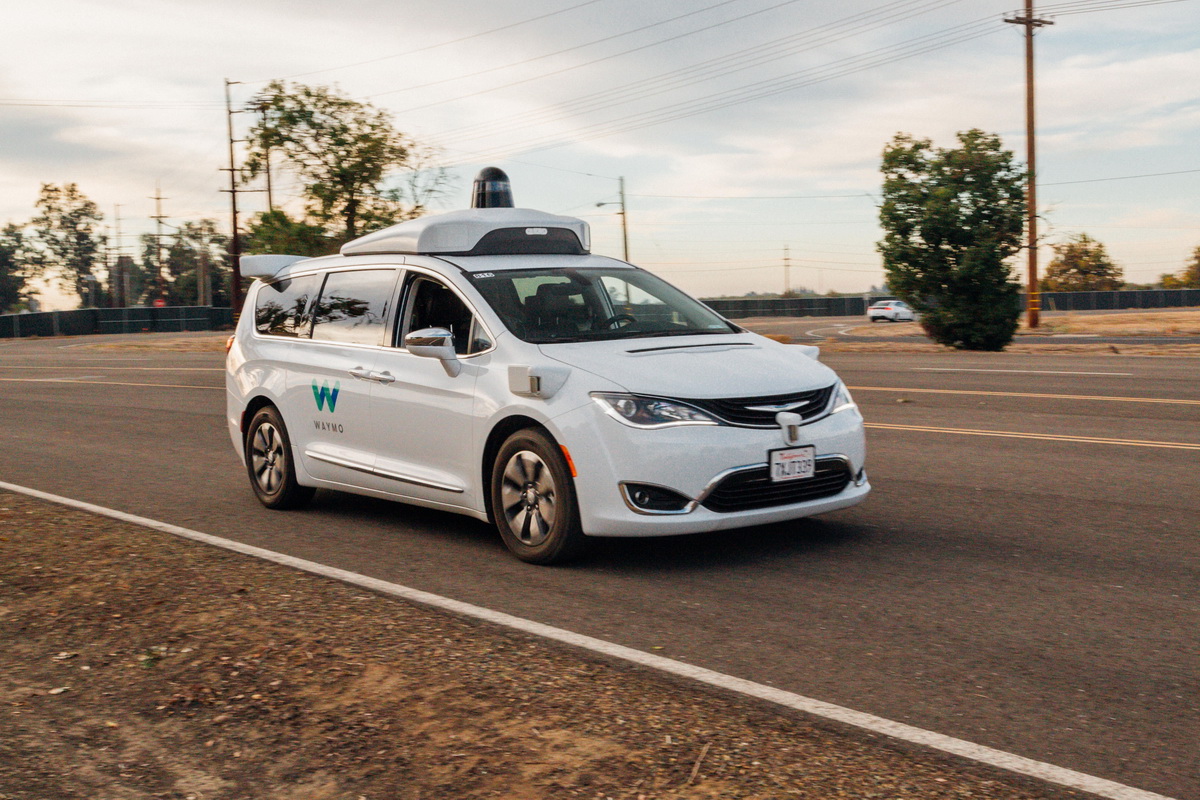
x=570, y=461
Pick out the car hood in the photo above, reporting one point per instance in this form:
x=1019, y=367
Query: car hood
x=701, y=367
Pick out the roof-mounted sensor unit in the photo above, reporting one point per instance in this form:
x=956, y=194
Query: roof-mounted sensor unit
x=492, y=189
x=479, y=232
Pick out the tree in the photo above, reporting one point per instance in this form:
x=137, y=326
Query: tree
x=12, y=267
x=1081, y=264
x=198, y=263
x=66, y=237
x=951, y=217
x=1189, y=278
x=345, y=152
x=195, y=254
x=276, y=232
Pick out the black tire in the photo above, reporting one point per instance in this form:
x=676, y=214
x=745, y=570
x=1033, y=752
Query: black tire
x=269, y=462
x=533, y=500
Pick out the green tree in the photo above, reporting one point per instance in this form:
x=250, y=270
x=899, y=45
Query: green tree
x=1189, y=278
x=13, y=272
x=66, y=238
x=276, y=232
x=194, y=268
x=1081, y=264
x=358, y=171
x=951, y=217
x=198, y=263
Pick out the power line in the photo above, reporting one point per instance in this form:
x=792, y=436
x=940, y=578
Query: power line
x=710, y=68
x=136, y=105
x=755, y=197
x=1085, y=7
x=1126, y=177
x=580, y=47
x=757, y=90
x=446, y=43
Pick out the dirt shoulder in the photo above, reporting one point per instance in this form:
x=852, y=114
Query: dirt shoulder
x=139, y=665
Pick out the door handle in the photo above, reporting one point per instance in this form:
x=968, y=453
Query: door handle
x=361, y=372
x=383, y=377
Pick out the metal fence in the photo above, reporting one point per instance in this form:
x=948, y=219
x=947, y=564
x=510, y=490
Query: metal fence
x=743, y=307
x=1115, y=301
x=138, y=319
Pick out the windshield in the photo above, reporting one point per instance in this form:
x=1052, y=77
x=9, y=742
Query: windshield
x=574, y=305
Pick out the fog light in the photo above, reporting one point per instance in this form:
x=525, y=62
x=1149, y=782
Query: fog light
x=649, y=499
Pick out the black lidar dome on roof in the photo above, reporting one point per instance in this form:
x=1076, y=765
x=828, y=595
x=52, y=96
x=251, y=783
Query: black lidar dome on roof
x=492, y=189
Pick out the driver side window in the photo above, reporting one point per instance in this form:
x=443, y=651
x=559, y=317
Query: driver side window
x=432, y=304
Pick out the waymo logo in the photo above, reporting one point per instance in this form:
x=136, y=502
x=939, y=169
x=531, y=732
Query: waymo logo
x=323, y=394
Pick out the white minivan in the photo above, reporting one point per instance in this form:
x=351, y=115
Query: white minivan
x=484, y=363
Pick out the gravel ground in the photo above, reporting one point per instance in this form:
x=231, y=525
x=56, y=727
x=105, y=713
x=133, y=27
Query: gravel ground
x=138, y=665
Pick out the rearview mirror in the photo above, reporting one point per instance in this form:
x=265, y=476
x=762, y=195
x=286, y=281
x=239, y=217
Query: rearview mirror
x=435, y=343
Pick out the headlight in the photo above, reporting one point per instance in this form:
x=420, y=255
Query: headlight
x=841, y=399
x=650, y=412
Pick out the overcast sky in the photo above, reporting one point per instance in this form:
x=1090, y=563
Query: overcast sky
x=741, y=126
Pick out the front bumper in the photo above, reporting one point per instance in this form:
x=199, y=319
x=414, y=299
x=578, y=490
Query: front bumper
x=691, y=460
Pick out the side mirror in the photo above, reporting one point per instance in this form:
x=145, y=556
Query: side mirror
x=435, y=343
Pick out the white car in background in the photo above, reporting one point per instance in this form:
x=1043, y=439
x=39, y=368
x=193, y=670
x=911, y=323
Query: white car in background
x=483, y=362
x=891, y=311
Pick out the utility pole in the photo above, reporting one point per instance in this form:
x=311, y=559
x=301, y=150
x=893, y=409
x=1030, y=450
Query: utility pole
x=158, y=217
x=1033, y=296
x=262, y=109
x=624, y=220
x=624, y=217
x=118, y=278
x=787, y=271
x=235, y=242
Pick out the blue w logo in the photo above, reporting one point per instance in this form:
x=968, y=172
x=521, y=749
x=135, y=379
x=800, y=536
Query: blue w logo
x=323, y=394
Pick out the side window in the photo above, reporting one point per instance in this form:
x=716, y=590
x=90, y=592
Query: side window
x=431, y=304
x=354, y=306
x=281, y=308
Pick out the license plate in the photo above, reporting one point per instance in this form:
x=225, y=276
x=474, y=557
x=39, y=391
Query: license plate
x=793, y=463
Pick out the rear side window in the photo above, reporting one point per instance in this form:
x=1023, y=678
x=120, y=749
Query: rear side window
x=281, y=308
x=354, y=306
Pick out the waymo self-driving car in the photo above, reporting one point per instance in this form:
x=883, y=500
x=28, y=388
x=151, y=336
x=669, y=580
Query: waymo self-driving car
x=484, y=362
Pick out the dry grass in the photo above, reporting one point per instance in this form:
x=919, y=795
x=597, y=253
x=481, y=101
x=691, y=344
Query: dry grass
x=1148, y=323
x=200, y=343
x=835, y=345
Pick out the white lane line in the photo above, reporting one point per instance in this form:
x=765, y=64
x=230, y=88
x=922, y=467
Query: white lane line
x=841, y=331
x=898, y=730
x=1017, y=371
x=127, y=369
x=111, y=383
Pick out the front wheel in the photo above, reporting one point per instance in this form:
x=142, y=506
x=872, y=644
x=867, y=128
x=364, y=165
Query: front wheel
x=269, y=462
x=533, y=500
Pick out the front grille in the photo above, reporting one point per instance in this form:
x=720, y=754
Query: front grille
x=737, y=411
x=743, y=491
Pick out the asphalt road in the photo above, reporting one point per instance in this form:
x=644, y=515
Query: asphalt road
x=813, y=330
x=1026, y=574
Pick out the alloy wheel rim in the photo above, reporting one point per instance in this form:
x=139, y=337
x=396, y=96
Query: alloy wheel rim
x=267, y=457
x=529, y=497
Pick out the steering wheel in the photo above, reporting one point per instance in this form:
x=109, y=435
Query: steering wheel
x=626, y=318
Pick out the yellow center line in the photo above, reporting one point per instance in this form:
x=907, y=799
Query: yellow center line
x=1050, y=437
x=110, y=383
x=1028, y=394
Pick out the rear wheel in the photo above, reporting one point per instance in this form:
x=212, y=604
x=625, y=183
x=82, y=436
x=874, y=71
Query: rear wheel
x=269, y=462
x=533, y=499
